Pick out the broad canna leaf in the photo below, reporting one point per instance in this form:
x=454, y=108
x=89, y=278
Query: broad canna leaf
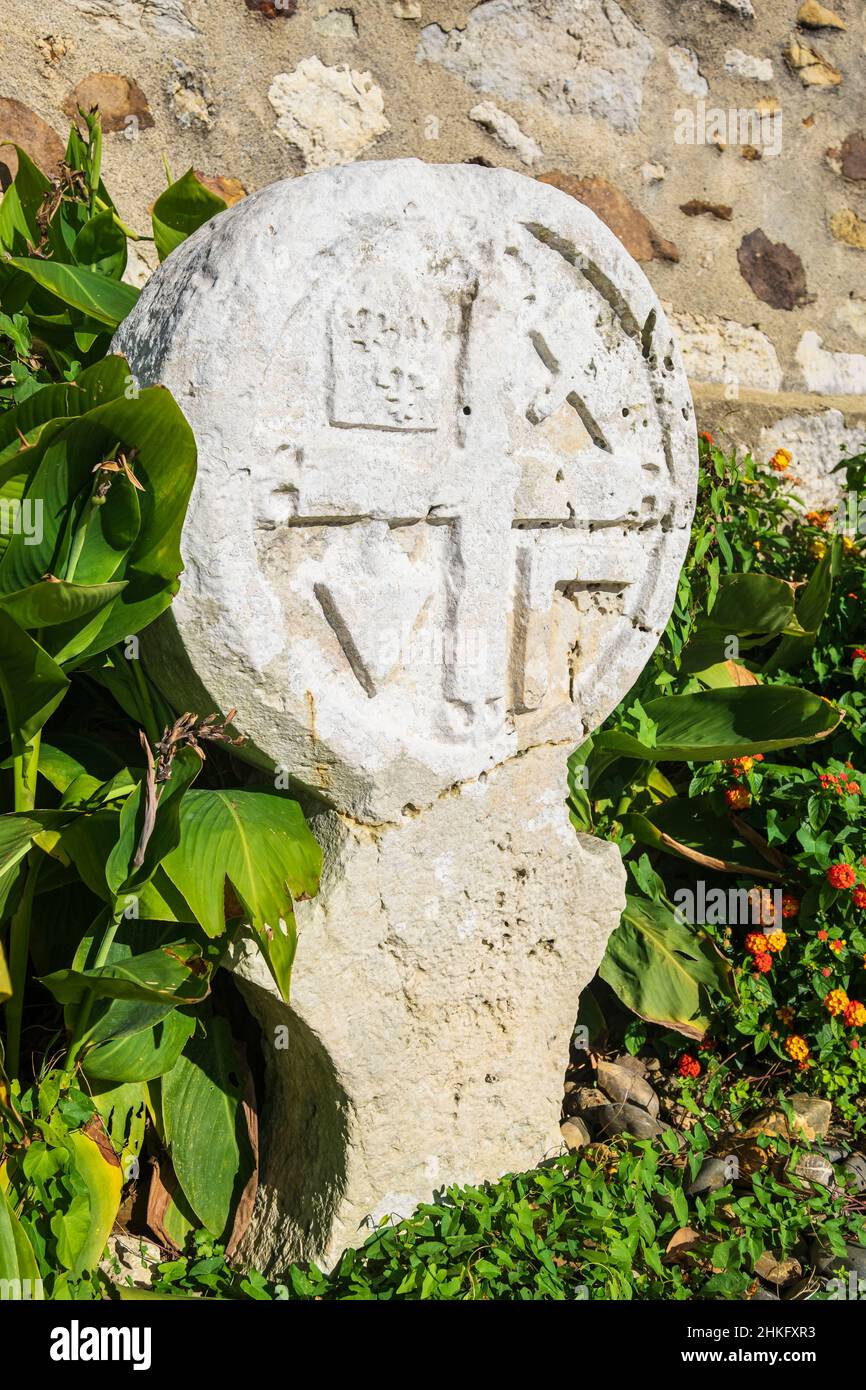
x=32, y=685
x=97, y=296
x=717, y=724
x=17, y=833
x=662, y=969
x=72, y=756
x=101, y=245
x=84, y=1241
x=20, y=205
x=136, y=1054
x=17, y=1261
x=180, y=210
x=259, y=842
x=204, y=1124
x=68, y=609
x=173, y=974
x=752, y=608
x=690, y=828
x=812, y=604
x=124, y=1113
x=5, y=978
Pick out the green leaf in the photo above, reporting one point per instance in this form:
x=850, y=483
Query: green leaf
x=693, y=824
x=201, y=1107
x=56, y=604
x=20, y=204
x=812, y=606
x=176, y=974
x=17, y=1260
x=123, y=1109
x=72, y=756
x=717, y=724
x=91, y=293
x=103, y=1180
x=94, y=386
x=101, y=245
x=17, y=833
x=140, y=1055
x=260, y=843
x=134, y=536
x=660, y=968
x=31, y=683
x=180, y=210
x=753, y=608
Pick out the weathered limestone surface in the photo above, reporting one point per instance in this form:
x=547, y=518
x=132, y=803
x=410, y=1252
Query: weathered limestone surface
x=446, y=476
x=819, y=441
x=415, y=350
x=434, y=996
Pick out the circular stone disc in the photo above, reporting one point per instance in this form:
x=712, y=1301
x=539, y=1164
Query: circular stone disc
x=446, y=473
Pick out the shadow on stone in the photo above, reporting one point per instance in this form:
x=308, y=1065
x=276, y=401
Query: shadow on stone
x=303, y=1157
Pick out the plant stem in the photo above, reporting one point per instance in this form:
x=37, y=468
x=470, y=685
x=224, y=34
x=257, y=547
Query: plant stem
x=19, y=955
x=25, y=767
x=83, y=1017
x=78, y=541
x=146, y=710
x=24, y=770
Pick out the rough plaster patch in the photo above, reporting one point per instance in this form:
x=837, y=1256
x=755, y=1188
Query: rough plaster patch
x=684, y=66
x=722, y=351
x=575, y=57
x=336, y=24
x=744, y=8
x=189, y=96
x=167, y=17
x=830, y=373
x=851, y=313
x=818, y=442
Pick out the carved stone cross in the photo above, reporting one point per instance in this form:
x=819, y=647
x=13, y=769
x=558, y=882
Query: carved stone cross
x=446, y=476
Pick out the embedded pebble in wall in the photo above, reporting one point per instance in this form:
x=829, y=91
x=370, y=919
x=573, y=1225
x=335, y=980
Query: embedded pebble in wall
x=331, y=114
x=505, y=129
x=684, y=65
x=740, y=64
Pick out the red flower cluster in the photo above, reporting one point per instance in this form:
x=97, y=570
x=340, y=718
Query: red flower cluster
x=740, y=766
x=689, y=1066
x=738, y=798
x=841, y=876
x=831, y=781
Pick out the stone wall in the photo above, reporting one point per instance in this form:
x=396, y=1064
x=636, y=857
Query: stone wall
x=723, y=140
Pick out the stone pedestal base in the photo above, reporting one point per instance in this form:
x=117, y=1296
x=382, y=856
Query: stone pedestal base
x=435, y=991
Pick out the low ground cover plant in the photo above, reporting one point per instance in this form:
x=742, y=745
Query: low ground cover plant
x=752, y=860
